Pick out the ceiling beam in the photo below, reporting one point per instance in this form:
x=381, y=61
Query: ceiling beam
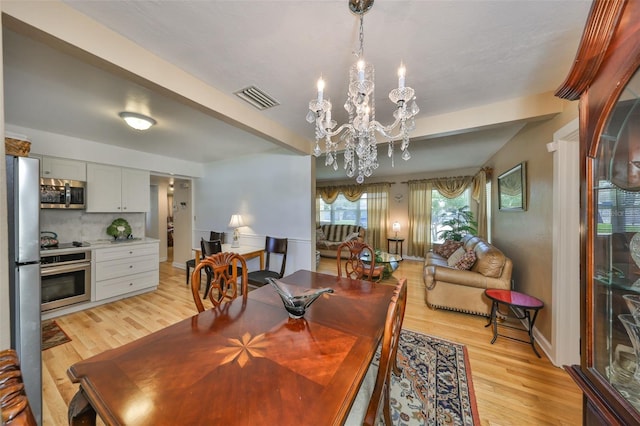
x=524, y=109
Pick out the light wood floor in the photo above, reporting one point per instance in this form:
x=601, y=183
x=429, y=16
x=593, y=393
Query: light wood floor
x=512, y=386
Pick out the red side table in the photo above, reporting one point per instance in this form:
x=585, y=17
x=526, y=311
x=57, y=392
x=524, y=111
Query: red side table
x=513, y=299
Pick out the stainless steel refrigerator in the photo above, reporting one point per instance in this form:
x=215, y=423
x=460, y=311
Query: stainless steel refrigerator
x=23, y=215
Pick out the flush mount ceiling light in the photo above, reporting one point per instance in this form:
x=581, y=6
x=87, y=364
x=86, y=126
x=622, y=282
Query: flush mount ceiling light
x=359, y=134
x=137, y=121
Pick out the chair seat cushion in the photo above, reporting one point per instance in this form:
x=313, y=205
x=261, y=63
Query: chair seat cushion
x=260, y=277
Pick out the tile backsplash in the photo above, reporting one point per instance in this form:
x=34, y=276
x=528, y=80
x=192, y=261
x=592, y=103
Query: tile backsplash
x=77, y=225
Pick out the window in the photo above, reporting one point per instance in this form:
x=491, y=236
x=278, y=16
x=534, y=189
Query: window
x=343, y=211
x=618, y=210
x=441, y=210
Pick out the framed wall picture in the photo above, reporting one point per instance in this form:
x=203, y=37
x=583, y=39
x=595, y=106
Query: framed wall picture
x=512, y=189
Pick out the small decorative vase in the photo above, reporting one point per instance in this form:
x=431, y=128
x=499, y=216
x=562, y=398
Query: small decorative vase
x=632, y=325
x=296, y=306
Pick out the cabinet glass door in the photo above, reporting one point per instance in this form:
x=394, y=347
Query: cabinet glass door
x=615, y=290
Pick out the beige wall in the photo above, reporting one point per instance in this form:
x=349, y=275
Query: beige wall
x=527, y=237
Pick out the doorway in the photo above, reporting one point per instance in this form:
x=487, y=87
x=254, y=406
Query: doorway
x=170, y=219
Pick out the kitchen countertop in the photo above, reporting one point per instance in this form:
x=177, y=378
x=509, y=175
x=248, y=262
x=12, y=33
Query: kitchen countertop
x=113, y=243
x=90, y=245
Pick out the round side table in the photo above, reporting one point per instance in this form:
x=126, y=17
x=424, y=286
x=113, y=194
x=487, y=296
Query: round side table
x=395, y=240
x=512, y=299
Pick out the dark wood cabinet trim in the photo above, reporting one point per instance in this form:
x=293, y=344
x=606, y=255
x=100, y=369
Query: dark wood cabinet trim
x=607, y=58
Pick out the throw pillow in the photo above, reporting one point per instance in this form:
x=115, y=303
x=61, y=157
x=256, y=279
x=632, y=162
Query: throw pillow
x=448, y=248
x=320, y=235
x=467, y=261
x=455, y=257
x=351, y=236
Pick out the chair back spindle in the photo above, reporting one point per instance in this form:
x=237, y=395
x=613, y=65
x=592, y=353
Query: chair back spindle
x=14, y=405
x=224, y=285
x=354, y=265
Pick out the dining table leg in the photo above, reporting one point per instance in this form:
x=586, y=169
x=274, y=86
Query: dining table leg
x=81, y=413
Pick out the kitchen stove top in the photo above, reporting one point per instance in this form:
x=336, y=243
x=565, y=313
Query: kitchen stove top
x=73, y=244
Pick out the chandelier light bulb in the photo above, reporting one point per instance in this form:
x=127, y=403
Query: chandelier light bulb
x=320, y=89
x=401, y=73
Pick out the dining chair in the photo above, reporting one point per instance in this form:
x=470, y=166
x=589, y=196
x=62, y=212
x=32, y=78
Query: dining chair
x=376, y=386
x=191, y=263
x=277, y=246
x=354, y=266
x=213, y=235
x=224, y=285
x=14, y=404
x=207, y=248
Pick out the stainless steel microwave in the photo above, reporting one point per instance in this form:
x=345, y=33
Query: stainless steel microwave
x=62, y=194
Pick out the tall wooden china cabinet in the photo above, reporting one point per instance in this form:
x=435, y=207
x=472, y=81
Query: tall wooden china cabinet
x=606, y=79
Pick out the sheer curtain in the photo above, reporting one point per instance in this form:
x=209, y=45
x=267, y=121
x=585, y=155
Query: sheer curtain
x=479, y=195
x=419, y=218
x=378, y=214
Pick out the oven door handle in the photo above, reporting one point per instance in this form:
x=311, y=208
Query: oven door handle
x=64, y=268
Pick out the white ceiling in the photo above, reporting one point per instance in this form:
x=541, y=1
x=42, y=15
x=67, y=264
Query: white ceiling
x=458, y=54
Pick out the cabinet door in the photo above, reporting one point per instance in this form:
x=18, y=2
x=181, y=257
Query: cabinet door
x=104, y=188
x=61, y=168
x=135, y=190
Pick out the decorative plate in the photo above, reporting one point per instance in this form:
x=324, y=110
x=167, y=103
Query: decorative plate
x=634, y=247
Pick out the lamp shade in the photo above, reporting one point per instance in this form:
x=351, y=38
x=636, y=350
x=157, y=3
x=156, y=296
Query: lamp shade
x=236, y=221
x=395, y=226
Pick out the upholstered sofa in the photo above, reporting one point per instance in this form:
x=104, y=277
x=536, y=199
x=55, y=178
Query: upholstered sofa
x=463, y=290
x=329, y=237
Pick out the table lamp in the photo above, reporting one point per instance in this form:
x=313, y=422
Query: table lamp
x=396, y=228
x=235, y=223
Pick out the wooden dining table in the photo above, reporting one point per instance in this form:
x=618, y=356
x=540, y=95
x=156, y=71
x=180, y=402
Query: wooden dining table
x=248, y=252
x=244, y=363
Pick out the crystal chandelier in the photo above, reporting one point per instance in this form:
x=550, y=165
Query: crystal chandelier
x=359, y=134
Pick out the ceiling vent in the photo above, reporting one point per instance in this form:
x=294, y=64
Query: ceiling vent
x=257, y=97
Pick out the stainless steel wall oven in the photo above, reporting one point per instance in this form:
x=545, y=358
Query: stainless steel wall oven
x=66, y=279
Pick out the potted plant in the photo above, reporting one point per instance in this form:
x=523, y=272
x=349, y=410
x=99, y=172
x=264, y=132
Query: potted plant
x=460, y=222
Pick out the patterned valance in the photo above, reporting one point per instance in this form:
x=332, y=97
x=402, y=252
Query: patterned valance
x=350, y=192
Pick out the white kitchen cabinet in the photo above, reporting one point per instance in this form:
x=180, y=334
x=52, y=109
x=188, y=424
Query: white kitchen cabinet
x=117, y=189
x=125, y=268
x=62, y=168
x=135, y=190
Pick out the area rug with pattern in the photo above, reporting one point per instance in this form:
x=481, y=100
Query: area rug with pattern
x=52, y=335
x=435, y=386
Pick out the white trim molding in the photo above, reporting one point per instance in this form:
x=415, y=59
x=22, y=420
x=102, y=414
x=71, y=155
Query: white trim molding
x=565, y=303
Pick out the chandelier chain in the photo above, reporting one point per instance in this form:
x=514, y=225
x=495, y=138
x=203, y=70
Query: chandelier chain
x=361, y=50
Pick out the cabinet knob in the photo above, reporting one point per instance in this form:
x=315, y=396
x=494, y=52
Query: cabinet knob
x=130, y=266
x=46, y=172
x=130, y=284
x=118, y=207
